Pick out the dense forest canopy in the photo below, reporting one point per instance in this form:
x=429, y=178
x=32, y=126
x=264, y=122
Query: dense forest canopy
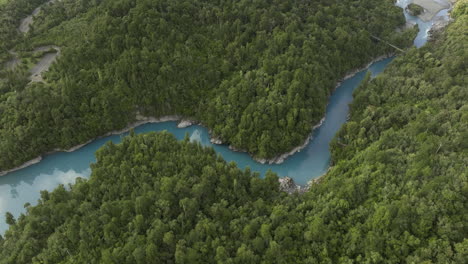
x=257, y=73
x=397, y=193
x=11, y=12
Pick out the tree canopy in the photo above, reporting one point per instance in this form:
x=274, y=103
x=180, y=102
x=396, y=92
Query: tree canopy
x=397, y=191
x=257, y=73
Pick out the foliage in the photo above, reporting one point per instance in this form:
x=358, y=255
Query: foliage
x=11, y=12
x=258, y=73
x=397, y=192
x=415, y=9
x=185, y=203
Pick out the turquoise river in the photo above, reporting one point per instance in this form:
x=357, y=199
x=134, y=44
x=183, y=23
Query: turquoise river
x=24, y=186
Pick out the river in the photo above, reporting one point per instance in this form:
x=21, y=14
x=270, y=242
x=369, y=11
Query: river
x=24, y=186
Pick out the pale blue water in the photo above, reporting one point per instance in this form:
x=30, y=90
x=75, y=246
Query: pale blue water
x=424, y=27
x=20, y=187
x=23, y=186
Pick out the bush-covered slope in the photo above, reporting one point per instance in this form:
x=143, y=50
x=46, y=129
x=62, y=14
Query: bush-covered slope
x=401, y=162
x=150, y=199
x=397, y=192
x=11, y=12
x=258, y=73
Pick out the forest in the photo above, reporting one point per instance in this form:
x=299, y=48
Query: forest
x=257, y=73
x=397, y=191
x=11, y=12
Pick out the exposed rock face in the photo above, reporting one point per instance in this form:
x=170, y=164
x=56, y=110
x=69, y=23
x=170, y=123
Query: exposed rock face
x=314, y=181
x=437, y=28
x=216, y=141
x=184, y=124
x=287, y=185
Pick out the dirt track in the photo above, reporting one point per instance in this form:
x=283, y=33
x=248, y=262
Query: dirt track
x=44, y=64
x=26, y=22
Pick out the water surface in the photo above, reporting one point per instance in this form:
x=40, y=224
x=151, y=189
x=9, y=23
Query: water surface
x=24, y=186
x=424, y=27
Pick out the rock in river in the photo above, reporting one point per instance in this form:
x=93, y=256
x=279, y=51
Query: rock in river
x=184, y=123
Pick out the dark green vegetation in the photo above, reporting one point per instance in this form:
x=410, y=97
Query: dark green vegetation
x=11, y=12
x=258, y=73
x=415, y=9
x=397, y=192
x=150, y=199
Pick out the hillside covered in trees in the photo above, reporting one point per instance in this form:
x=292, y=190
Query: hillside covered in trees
x=257, y=73
x=397, y=192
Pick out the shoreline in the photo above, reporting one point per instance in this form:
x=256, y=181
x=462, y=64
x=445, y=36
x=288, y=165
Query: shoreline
x=282, y=157
x=431, y=8
x=22, y=166
x=351, y=74
x=186, y=122
x=140, y=121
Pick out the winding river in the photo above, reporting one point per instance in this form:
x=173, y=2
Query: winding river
x=24, y=186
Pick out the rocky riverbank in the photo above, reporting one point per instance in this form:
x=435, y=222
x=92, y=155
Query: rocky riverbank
x=350, y=74
x=439, y=25
x=22, y=166
x=141, y=120
x=288, y=185
x=431, y=8
x=185, y=123
x=281, y=158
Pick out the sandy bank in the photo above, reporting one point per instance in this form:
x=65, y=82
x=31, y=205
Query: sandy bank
x=431, y=8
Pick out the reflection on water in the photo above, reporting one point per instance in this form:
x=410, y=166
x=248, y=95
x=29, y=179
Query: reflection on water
x=196, y=136
x=23, y=186
x=16, y=194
